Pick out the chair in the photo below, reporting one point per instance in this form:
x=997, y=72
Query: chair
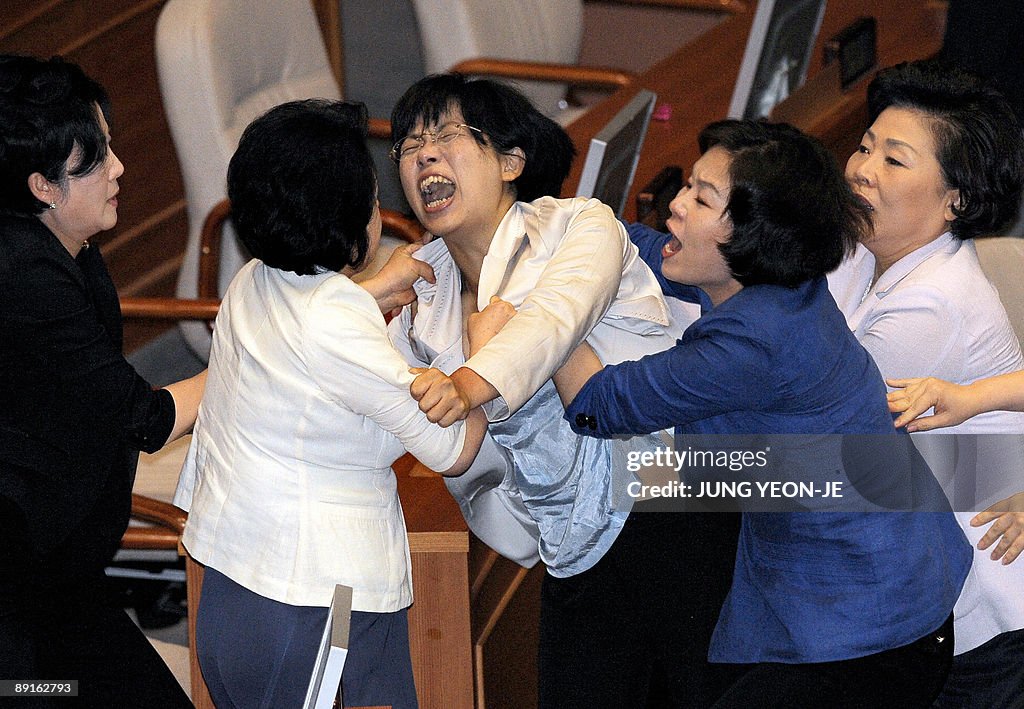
x=537, y=41
x=1002, y=259
x=222, y=63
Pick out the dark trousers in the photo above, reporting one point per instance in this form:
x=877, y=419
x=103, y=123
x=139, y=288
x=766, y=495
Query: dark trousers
x=60, y=621
x=990, y=676
x=633, y=631
x=903, y=678
x=256, y=652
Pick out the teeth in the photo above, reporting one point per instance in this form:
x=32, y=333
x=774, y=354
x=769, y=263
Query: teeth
x=434, y=179
x=436, y=190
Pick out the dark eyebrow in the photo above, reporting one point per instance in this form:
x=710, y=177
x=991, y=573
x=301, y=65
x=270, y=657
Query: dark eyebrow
x=710, y=186
x=894, y=143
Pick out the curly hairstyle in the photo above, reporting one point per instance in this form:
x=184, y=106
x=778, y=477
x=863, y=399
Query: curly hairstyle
x=980, y=147
x=506, y=117
x=303, y=188
x=794, y=218
x=48, y=112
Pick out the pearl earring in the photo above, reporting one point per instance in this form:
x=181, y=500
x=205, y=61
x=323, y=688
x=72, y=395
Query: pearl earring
x=53, y=205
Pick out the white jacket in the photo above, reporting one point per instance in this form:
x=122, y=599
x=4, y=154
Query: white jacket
x=288, y=481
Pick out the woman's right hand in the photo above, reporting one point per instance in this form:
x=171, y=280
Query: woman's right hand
x=392, y=285
x=482, y=326
x=953, y=403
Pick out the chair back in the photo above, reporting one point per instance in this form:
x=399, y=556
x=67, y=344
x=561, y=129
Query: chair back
x=222, y=63
x=1002, y=260
x=525, y=30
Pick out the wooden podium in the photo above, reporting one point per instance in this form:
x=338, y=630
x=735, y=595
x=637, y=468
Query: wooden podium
x=439, y=620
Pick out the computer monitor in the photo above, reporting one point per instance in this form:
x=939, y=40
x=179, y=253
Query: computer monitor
x=777, y=55
x=614, y=152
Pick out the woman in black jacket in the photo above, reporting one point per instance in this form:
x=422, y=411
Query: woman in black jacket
x=73, y=412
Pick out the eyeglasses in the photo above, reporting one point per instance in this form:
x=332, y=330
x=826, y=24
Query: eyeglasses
x=442, y=135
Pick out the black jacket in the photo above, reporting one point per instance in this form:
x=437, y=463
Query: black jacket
x=73, y=412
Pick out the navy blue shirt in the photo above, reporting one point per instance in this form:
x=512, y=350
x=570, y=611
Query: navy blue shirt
x=808, y=586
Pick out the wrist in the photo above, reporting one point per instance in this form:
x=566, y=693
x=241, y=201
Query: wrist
x=474, y=389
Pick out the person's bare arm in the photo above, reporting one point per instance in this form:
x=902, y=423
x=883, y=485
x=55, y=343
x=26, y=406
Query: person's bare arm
x=953, y=403
x=445, y=399
x=582, y=364
x=391, y=286
x=476, y=427
x=186, y=394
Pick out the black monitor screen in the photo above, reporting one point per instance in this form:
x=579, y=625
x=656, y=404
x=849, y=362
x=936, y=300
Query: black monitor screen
x=614, y=152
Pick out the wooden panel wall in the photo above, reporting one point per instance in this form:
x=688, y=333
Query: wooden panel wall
x=112, y=40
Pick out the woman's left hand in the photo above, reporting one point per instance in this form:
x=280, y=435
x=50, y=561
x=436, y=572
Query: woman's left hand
x=438, y=396
x=953, y=404
x=1008, y=528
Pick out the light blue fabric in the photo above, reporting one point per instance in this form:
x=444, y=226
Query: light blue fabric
x=574, y=487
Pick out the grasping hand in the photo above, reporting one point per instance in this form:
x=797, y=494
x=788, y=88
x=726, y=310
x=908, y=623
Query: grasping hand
x=438, y=396
x=1008, y=528
x=482, y=326
x=953, y=403
x=391, y=287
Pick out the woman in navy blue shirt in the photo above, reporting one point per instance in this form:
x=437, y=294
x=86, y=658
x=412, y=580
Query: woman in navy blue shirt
x=839, y=608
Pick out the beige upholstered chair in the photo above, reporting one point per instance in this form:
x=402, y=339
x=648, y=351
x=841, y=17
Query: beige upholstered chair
x=1002, y=259
x=522, y=40
x=222, y=63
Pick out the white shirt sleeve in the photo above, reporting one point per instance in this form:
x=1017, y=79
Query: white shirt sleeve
x=349, y=355
x=573, y=293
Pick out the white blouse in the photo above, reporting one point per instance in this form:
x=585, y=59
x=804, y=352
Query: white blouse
x=935, y=313
x=288, y=481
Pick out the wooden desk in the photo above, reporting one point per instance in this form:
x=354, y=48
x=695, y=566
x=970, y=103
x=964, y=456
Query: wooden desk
x=697, y=82
x=439, y=620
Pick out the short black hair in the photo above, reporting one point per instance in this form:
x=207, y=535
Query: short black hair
x=47, y=110
x=978, y=139
x=794, y=218
x=303, y=188
x=506, y=117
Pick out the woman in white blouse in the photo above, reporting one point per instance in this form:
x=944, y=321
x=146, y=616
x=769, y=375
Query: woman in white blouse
x=288, y=480
x=481, y=168
x=942, y=162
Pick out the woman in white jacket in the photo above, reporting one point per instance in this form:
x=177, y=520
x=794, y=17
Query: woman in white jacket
x=288, y=481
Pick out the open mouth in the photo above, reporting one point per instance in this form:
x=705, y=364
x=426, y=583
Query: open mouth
x=436, y=191
x=671, y=248
x=866, y=203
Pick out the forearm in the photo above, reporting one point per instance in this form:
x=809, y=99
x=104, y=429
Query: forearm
x=476, y=427
x=186, y=394
x=384, y=292
x=1001, y=393
x=582, y=364
x=475, y=390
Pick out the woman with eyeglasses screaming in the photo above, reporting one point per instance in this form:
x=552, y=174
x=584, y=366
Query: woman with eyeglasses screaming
x=482, y=169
